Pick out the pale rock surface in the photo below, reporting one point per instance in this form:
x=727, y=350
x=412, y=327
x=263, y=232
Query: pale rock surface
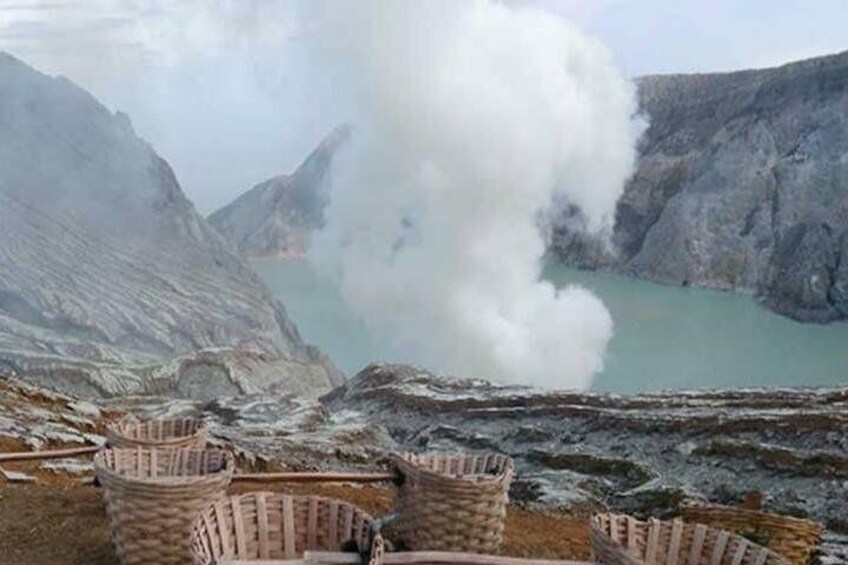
x=16, y=476
x=110, y=282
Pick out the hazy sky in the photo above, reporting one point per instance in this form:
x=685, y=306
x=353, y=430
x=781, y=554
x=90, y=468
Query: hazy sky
x=230, y=92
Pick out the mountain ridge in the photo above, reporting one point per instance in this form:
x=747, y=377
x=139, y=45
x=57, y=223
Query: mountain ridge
x=107, y=272
x=277, y=216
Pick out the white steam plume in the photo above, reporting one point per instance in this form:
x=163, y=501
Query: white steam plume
x=473, y=115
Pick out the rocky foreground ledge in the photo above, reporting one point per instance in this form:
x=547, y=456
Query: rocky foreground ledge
x=643, y=454
x=575, y=452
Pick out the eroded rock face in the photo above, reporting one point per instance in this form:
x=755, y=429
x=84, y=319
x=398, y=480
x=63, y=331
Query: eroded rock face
x=802, y=274
x=839, y=290
x=276, y=218
x=107, y=274
x=730, y=165
x=645, y=455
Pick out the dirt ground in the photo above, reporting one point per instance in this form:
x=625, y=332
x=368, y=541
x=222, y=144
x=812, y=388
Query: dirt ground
x=65, y=524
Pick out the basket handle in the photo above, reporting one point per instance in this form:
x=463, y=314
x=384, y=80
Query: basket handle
x=376, y=543
x=376, y=554
x=399, y=476
x=128, y=418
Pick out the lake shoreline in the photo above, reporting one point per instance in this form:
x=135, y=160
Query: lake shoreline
x=666, y=337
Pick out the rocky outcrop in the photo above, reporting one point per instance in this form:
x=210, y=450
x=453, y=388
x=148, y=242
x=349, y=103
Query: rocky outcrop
x=277, y=217
x=644, y=454
x=575, y=453
x=110, y=282
x=740, y=177
x=802, y=279
x=839, y=289
x=609, y=450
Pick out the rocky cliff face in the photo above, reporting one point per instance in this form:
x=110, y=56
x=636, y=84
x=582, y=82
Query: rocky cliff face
x=110, y=282
x=277, y=217
x=742, y=184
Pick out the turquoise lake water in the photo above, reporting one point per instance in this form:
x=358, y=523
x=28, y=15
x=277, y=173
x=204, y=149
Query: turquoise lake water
x=665, y=337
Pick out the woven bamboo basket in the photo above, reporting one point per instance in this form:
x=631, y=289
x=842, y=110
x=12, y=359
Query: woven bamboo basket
x=623, y=540
x=793, y=538
x=265, y=525
x=176, y=433
x=451, y=503
x=153, y=497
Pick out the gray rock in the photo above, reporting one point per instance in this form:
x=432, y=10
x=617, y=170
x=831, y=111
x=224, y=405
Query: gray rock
x=277, y=217
x=16, y=476
x=205, y=381
x=641, y=454
x=730, y=164
x=63, y=436
x=644, y=454
x=108, y=276
x=800, y=275
x=85, y=408
x=686, y=448
x=839, y=290
x=77, y=421
x=69, y=466
x=95, y=439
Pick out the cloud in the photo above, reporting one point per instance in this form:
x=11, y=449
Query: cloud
x=472, y=116
x=153, y=32
x=210, y=84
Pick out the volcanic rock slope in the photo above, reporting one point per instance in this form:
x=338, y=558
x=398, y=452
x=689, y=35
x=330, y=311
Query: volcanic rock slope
x=742, y=183
x=110, y=282
x=646, y=454
x=277, y=217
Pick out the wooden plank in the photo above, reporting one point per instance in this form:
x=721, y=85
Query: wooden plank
x=54, y=454
x=430, y=557
x=265, y=562
x=312, y=477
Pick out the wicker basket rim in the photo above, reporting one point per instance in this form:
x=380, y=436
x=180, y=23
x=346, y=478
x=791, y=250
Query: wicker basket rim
x=401, y=461
x=101, y=467
x=721, y=509
x=160, y=442
x=208, y=519
x=281, y=496
x=597, y=526
x=120, y=427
